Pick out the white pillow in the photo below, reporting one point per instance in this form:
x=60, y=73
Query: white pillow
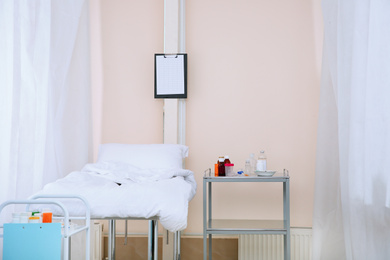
x=145, y=156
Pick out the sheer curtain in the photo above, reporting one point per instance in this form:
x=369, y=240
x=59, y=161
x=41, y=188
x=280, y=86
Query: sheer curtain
x=44, y=93
x=352, y=194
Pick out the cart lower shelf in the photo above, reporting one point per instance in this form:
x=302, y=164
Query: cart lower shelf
x=236, y=226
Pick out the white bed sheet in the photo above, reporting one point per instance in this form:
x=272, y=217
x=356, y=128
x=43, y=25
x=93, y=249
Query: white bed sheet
x=142, y=193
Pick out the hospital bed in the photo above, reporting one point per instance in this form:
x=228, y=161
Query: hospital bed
x=133, y=181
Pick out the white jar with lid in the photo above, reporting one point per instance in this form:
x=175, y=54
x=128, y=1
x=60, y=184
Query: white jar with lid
x=261, y=162
x=229, y=169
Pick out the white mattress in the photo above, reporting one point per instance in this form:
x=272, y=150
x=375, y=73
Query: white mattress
x=141, y=193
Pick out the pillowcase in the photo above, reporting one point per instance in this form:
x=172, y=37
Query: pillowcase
x=145, y=156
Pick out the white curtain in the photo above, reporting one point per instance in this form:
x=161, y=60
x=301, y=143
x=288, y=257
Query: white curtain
x=352, y=192
x=44, y=93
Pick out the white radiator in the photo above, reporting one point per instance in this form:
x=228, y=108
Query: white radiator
x=78, y=242
x=270, y=247
x=96, y=241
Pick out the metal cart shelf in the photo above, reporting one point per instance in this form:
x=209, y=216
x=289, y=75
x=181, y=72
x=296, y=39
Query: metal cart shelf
x=225, y=226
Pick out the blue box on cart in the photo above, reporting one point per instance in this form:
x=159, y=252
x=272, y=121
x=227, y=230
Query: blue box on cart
x=32, y=241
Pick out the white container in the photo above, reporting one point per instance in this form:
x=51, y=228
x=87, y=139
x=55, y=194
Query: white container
x=40, y=216
x=229, y=169
x=261, y=162
x=24, y=216
x=253, y=163
x=15, y=217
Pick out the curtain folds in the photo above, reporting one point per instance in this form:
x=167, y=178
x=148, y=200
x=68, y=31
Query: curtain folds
x=352, y=204
x=44, y=93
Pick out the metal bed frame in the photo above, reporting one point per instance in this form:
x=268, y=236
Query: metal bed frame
x=152, y=238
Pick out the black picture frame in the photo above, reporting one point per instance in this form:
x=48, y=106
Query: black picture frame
x=176, y=73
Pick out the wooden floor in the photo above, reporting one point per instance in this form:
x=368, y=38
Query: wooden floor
x=191, y=248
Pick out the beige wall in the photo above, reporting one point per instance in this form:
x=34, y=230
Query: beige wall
x=253, y=84
x=132, y=31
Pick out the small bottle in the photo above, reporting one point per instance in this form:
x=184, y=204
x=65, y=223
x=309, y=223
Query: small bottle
x=227, y=161
x=262, y=162
x=248, y=167
x=221, y=167
x=216, y=169
x=39, y=215
x=253, y=163
x=47, y=216
x=217, y=166
x=33, y=219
